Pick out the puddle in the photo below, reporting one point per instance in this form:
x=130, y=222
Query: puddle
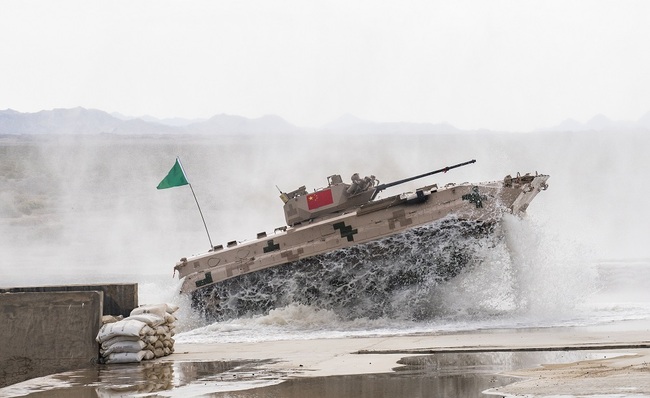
x=148, y=379
x=425, y=376
x=450, y=374
x=489, y=362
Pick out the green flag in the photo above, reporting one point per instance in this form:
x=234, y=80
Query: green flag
x=175, y=177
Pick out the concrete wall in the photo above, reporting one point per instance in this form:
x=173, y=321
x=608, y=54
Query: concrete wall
x=47, y=332
x=119, y=299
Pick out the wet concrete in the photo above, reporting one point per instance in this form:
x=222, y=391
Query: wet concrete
x=47, y=332
x=464, y=374
x=426, y=376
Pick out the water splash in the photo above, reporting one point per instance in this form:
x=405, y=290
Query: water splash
x=552, y=275
x=529, y=275
x=395, y=277
x=450, y=272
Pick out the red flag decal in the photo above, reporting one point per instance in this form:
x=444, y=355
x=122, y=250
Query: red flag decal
x=319, y=199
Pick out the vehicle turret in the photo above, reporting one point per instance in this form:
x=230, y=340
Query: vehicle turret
x=337, y=197
x=301, y=206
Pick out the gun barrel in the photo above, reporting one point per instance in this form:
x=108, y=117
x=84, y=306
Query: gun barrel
x=381, y=187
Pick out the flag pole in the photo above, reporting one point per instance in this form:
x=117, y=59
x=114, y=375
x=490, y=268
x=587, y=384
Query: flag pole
x=197, y=202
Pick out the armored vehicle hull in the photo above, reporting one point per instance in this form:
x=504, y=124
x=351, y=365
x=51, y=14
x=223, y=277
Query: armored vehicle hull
x=343, y=216
x=395, y=277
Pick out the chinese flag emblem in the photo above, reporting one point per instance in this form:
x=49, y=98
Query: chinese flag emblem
x=319, y=199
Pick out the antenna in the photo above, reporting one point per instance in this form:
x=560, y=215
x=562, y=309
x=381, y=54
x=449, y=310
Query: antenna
x=197, y=203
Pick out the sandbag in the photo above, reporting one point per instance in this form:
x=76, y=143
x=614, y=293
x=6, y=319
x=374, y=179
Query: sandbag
x=117, y=339
x=124, y=346
x=162, y=330
x=171, y=308
x=126, y=327
x=126, y=357
x=150, y=339
x=145, y=334
x=152, y=320
x=111, y=318
x=156, y=309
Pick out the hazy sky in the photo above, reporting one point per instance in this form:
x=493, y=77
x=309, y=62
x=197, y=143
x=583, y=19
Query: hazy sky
x=511, y=65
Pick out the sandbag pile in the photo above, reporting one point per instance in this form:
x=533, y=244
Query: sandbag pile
x=145, y=334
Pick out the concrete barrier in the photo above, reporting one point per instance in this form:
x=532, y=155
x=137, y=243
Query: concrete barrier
x=43, y=333
x=119, y=298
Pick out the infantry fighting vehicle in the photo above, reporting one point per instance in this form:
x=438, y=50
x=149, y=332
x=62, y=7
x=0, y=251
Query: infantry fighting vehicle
x=344, y=215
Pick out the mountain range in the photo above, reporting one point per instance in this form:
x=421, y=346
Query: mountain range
x=92, y=121
x=603, y=123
